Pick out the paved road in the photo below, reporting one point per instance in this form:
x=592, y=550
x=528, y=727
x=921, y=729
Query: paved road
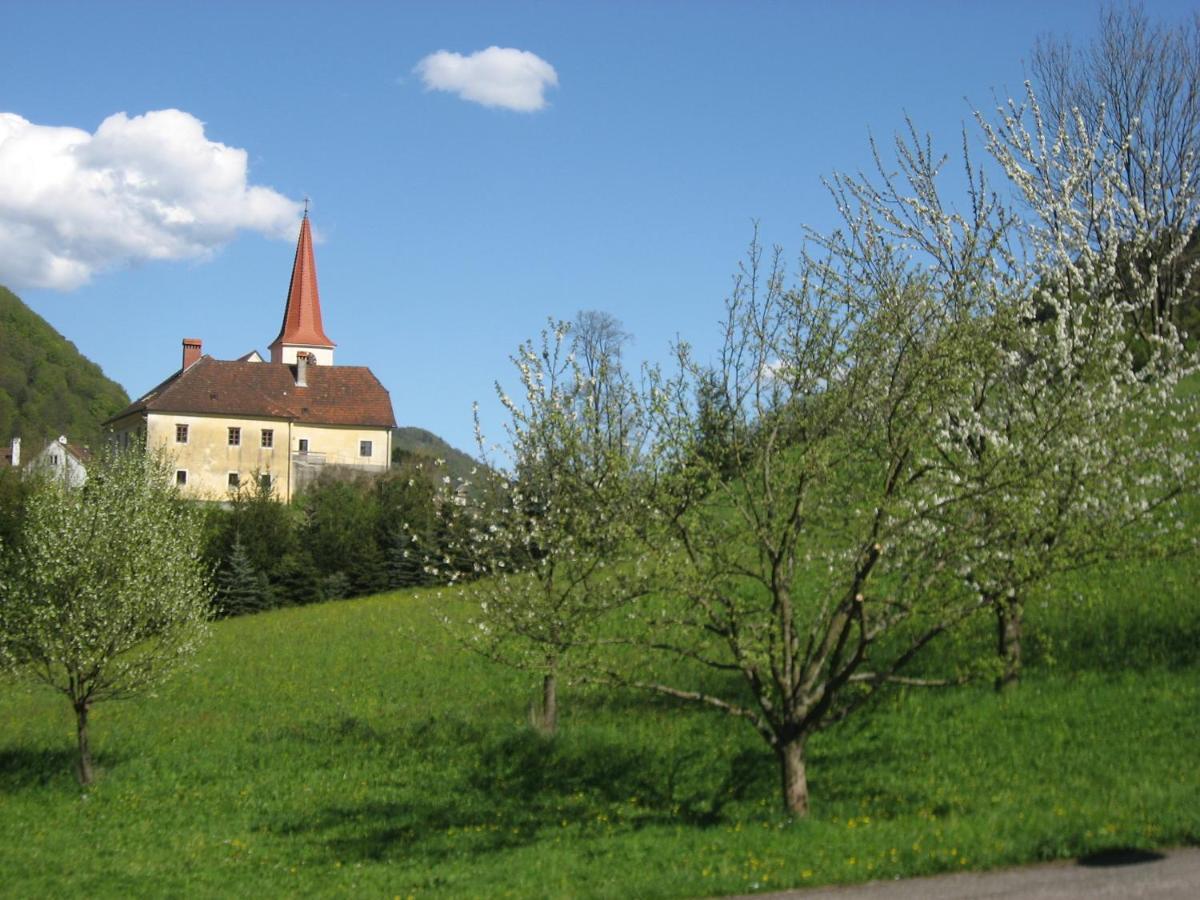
x=1173, y=875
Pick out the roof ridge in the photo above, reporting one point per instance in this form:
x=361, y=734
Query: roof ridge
x=140, y=402
x=336, y=395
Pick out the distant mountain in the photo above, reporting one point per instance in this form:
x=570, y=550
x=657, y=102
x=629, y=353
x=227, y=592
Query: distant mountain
x=47, y=387
x=409, y=443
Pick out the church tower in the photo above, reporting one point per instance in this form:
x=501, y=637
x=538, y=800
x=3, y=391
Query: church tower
x=302, y=331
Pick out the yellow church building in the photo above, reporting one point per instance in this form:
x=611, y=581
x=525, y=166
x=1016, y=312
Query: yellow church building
x=224, y=422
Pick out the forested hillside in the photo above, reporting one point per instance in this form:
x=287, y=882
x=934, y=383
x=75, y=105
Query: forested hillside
x=47, y=387
x=412, y=444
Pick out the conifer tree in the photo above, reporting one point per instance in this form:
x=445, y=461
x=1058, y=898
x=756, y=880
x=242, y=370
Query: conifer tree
x=241, y=588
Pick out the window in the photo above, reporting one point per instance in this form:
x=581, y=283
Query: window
x=181, y=434
x=235, y=437
x=264, y=483
x=364, y=448
x=181, y=477
x=234, y=480
x=303, y=445
x=268, y=437
x=54, y=459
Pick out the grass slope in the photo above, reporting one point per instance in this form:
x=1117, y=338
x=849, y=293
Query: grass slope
x=352, y=749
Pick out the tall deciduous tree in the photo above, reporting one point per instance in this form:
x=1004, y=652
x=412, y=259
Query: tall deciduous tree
x=1133, y=90
x=598, y=340
x=597, y=343
x=107, y=591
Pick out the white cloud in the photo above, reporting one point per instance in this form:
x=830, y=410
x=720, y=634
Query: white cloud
x=497, y=76
x=149, y=187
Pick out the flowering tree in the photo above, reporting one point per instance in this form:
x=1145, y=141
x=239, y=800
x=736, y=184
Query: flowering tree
x=106, y=590
x=803, y=566
x=1083, y=429
x=1073, y=438
x=1133, y=86
x=1086, y=427
x=553, y=528
x=945, y=410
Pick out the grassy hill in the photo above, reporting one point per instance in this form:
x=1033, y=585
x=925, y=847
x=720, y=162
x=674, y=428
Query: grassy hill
x=354, y=749
x=47, y=387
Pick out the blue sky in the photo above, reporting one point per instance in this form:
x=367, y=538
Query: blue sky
x=450, y=230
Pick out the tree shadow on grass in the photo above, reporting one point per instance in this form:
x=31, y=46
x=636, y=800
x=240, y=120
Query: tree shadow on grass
x=1119, y=856
x=597, y=772
x=847, y=775
x=505, y=790
x=432, y=732
x=22, y=768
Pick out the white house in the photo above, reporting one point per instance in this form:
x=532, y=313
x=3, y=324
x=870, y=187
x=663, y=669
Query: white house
x=60, y=459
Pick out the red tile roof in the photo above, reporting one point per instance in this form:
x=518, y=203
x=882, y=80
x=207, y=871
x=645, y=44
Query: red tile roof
x=302, y=316
x=334, y=395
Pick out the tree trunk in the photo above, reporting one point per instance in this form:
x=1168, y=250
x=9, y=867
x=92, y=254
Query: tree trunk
x=1010, y=614
x=795, y=776
x=549, y=717
x=85, y=773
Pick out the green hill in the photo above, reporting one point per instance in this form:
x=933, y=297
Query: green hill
x=411, y=442
x=47, y=387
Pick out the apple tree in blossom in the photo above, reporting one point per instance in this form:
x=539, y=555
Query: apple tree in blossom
x=106, y=592
x=551, y=522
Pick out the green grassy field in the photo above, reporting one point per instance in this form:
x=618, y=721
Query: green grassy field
x=353, y=749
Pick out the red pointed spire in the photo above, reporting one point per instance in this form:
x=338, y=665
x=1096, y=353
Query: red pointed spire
x=302, y=316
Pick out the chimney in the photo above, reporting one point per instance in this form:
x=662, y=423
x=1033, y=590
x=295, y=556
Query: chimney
x=301, y=370
x=191, y=351
x=16, y=452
